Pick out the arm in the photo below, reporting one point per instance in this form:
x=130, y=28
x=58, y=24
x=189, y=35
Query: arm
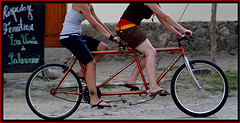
x=94, y=23
x=84, y=8
x=166, y=20
x=97, y=19
x=169, y=27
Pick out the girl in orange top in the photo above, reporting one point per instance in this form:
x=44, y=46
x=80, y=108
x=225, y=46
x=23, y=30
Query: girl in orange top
x=128, y=30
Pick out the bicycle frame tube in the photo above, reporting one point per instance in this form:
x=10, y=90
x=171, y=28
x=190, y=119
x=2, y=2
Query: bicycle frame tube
x=119, y=71
x=140, y=70
x=122, y=69
x=66, y=73
x=172, y=63
x=126, y=66
x=139, y=67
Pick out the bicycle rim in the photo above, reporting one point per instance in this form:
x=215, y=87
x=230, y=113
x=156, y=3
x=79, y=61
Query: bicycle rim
x=204, y=101
x=53, y=106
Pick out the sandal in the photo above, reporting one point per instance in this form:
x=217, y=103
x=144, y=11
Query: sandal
x=161, y=93
x=100, y=106
x=132, y=88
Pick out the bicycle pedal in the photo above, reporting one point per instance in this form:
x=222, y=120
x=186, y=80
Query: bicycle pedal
x=163, y=95
x=153, y=94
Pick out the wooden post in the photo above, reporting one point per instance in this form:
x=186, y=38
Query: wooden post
x=213, y=33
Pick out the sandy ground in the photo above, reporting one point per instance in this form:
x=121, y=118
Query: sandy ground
x=15, y=106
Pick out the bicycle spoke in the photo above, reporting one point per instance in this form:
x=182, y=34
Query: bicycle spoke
x=43, y=98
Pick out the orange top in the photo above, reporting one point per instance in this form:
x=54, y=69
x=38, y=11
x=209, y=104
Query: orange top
x=123, y=22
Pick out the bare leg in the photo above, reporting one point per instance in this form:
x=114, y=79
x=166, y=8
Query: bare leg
x=101, y=47
x=150, y=53
x=133, y=77
x=91, y=83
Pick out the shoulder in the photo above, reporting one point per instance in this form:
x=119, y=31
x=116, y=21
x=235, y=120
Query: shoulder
x=80, y=7
x=151, y=4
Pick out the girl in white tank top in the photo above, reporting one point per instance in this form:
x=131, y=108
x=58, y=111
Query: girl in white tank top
x=72, y=25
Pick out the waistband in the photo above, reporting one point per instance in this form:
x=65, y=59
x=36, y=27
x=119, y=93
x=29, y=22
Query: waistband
x=65, y=36
x=125, y=27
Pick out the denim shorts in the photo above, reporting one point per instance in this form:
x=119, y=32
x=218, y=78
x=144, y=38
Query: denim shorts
x=80, y=45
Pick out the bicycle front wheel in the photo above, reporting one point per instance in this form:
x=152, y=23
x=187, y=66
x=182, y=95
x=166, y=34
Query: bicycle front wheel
x=46, y=101
x=203, y=100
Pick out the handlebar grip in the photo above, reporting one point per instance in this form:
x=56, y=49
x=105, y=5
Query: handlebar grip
x=188, y=33
x=183, y=38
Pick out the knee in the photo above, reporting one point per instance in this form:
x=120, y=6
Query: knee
x=106, y=47
x=152, y=54
x=91, y=63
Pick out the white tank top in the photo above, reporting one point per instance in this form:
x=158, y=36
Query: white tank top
x=72, y=23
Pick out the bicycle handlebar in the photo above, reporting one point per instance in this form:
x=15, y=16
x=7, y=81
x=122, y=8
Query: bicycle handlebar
x=188, y=33
x=122, y=43
x=185, y=38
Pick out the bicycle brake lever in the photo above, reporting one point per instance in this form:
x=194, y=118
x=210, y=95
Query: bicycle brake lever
x=189, y=42
x=193, y=37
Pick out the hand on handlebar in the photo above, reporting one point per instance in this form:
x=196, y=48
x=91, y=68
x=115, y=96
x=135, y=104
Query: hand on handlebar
x=116, y=40
x=187, y=33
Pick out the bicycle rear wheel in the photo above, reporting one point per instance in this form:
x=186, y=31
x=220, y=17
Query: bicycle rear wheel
x=44, y=100
x=204, y=101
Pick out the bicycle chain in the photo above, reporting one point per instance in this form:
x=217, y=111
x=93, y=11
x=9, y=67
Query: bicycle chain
x=130, y=103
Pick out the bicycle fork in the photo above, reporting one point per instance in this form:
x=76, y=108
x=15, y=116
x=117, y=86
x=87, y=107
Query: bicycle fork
x=190, y=72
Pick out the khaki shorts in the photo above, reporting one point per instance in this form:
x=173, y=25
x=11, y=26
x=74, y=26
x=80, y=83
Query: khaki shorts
x=133, y=36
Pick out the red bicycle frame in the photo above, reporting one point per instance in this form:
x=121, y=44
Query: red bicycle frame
x=180, y=48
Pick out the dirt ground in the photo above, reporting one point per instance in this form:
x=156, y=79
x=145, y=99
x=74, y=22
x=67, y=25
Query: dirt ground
x=15, y=106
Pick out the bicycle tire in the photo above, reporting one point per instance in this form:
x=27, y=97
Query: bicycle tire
x=43, y=102
x=200, y=102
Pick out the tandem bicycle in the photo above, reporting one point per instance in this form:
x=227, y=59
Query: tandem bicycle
x=61, y=94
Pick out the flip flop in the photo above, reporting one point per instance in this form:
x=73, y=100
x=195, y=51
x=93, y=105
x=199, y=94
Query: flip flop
x=161, y=93
x=100, y=106
x=132, y=88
